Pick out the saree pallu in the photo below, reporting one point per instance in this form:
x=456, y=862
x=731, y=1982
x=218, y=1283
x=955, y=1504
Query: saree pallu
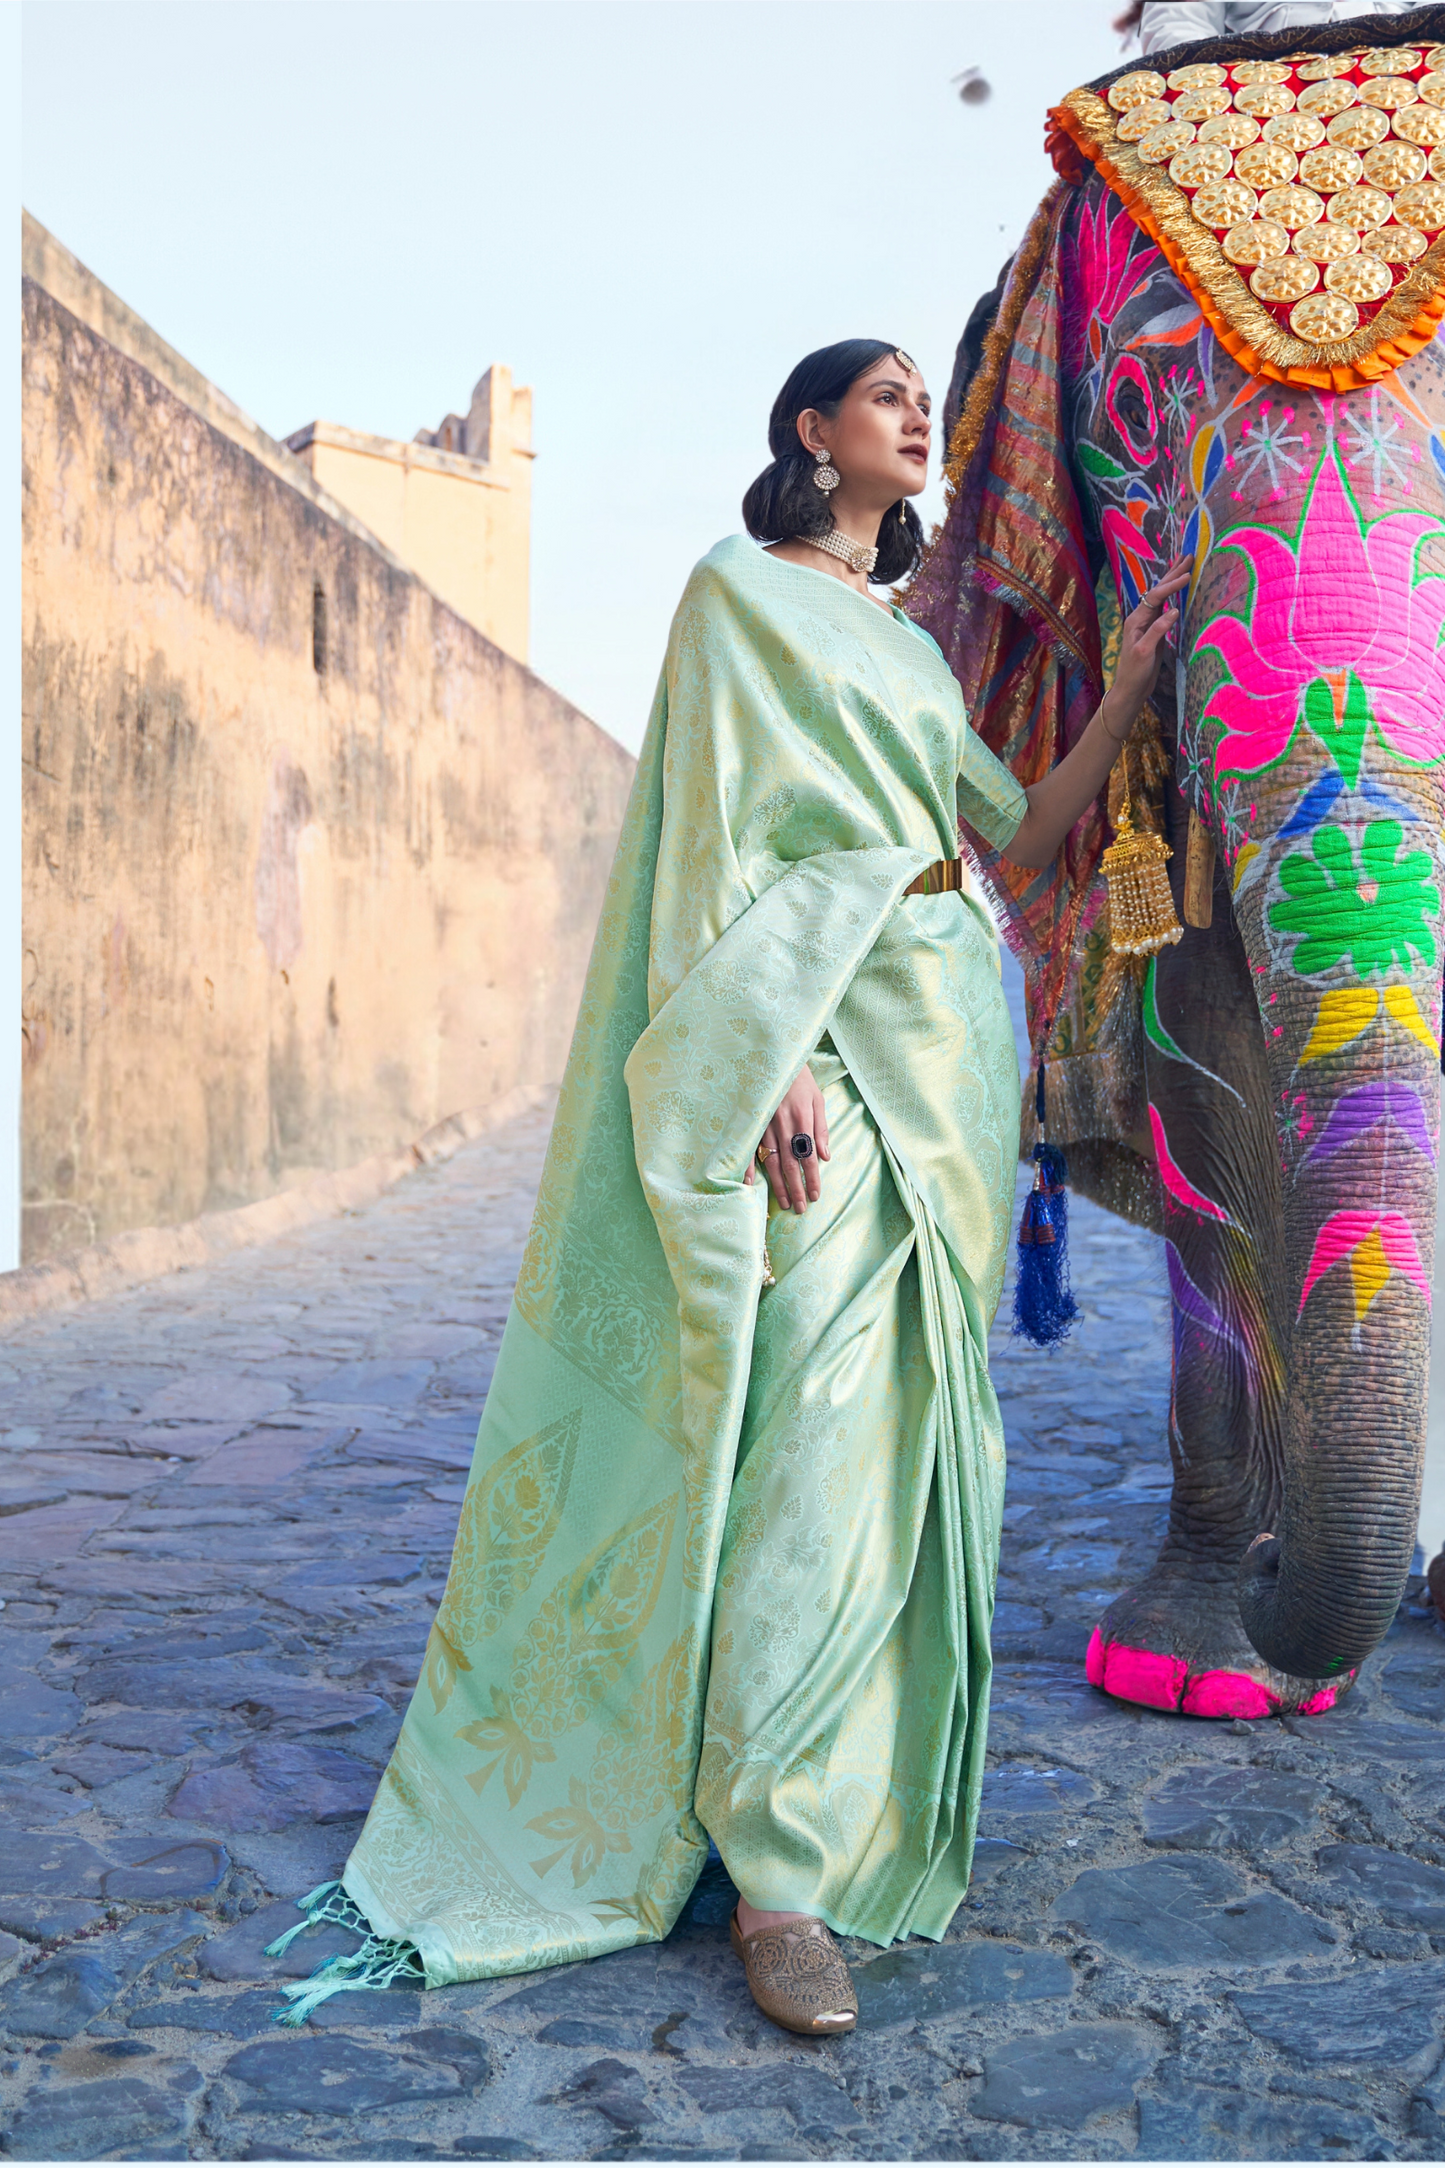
x=807, y=755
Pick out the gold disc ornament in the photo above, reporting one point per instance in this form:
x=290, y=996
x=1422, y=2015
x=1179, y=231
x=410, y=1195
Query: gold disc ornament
x=1296, y=131
x=1323, y=318
x=1388, y=93
x=1358, y=128
x=1233, y=130
x=1197, y=105
x=1394, y=165
x=1319, y=67
x=1359, y=278
x=1422, y=124
x=1362, y=208
x=1422, y=206
x=1292, y=206
x=1162, y=144
x=1136, y=123
x=1326, y=244
x=1327, y=98
x=1395, y=244
x=1264, y=99
x=1199, y=164
x=1284, y=278
x=1132, y=89
x=1330, y=168
x=1225, y=203
x=1255, y=240
x=1201, y=75
x=1267, y=165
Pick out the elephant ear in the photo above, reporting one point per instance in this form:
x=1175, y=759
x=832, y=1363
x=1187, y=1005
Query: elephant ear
x=1008, y=593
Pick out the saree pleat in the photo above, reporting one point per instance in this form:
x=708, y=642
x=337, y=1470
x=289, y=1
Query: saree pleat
x=807, y=755
x=845, y=1686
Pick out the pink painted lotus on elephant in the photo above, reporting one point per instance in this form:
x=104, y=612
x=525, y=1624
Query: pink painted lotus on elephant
x=1343, y=631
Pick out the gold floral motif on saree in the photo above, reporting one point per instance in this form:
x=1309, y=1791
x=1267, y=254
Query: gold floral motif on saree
x=509, y=1516
x=1312, y=264
x=643, y=1764
x=426, y=1861
x=576, y=1646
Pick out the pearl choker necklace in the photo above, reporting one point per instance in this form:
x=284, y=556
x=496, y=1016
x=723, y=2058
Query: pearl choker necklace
x=853, y=554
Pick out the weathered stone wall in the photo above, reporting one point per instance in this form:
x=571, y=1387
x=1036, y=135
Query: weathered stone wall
x=285, y=906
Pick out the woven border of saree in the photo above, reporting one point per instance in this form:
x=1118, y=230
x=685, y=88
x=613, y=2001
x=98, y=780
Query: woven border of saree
x=1299, y=195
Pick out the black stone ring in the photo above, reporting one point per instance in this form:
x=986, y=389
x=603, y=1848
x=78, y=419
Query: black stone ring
x=802, y=1146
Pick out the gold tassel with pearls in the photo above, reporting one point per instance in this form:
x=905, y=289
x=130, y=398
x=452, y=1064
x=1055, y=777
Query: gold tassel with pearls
x=1141, y=909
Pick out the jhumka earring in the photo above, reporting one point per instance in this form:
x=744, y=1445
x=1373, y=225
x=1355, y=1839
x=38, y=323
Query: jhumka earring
x=825, y=475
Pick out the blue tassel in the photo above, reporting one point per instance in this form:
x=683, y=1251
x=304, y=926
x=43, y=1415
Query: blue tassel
x=1044, y=1307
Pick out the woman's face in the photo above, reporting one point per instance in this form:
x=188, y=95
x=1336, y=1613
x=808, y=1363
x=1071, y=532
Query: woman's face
x=879, y=438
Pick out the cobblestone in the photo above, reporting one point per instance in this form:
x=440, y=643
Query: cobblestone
x=226, y=1506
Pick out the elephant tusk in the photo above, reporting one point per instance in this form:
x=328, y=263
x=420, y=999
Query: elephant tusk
x=1198, y=874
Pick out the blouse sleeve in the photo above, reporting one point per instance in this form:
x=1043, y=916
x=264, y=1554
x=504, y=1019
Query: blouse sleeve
x=990, y=799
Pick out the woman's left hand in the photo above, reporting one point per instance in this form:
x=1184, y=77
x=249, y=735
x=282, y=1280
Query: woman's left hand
x=1141, y=645
x=795, y=1182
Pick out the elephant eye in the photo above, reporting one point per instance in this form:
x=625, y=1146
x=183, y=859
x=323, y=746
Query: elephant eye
x=1133, y=411
x=1130, y=405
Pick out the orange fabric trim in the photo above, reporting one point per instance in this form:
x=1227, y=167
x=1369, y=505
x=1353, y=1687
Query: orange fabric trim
x=1347, y=376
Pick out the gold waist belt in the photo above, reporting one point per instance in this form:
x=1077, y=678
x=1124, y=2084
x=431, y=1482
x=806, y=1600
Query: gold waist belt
x=946, y=877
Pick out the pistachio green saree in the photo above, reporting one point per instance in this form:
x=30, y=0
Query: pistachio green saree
x=725, y=1563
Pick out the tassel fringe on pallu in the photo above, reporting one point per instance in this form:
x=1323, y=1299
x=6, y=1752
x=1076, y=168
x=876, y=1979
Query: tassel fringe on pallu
x=1044, y=1306
x=378, y=1963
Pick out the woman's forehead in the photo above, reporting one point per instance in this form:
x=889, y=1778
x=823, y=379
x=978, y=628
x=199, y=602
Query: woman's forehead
x=895, y=365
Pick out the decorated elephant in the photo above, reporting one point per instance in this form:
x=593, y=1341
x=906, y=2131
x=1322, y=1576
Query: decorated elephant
x=1219, y=336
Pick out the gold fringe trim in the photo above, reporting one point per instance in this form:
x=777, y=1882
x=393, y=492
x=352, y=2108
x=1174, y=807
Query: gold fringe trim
x=982, y=393
x=1407, y=322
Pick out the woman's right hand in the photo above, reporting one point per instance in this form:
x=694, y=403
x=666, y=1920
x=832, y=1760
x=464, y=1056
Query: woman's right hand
x=796, y=1183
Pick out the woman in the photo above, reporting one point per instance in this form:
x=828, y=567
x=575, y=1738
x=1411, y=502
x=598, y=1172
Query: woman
x=725, y=1564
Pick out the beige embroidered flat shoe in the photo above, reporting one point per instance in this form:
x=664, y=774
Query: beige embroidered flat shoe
x=797, y=1976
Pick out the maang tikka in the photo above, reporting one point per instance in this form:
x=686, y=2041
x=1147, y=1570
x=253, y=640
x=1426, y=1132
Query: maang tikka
x=825, y=475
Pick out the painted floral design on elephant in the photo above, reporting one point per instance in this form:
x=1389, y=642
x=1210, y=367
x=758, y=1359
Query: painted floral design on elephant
x=1374, y=912
x=1109, y=259
x=1341, y=633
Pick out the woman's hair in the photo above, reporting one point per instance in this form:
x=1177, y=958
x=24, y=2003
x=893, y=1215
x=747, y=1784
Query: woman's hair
x=783, y=502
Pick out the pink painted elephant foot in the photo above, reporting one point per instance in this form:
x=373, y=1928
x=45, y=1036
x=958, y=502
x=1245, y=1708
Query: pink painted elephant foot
x=1175, y=1642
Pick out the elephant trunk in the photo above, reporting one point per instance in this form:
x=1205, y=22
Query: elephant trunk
x=1318, y=1593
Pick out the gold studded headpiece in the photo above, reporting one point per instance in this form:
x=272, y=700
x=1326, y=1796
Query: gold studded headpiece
x=1300, y=198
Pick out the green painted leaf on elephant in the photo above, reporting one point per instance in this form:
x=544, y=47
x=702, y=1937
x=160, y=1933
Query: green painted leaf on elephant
x=1098, y=463
x=1337, y=710
x=1375, y=913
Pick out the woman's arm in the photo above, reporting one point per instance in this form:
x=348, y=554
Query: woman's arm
x=1054, y=806
x=1065, y=792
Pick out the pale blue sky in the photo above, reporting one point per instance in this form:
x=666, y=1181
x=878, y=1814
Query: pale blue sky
x=650, y=208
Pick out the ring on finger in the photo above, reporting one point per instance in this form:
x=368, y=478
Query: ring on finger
x=766, y=1152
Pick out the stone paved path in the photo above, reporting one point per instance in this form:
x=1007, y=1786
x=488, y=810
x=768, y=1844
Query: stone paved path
x=226, y=1505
